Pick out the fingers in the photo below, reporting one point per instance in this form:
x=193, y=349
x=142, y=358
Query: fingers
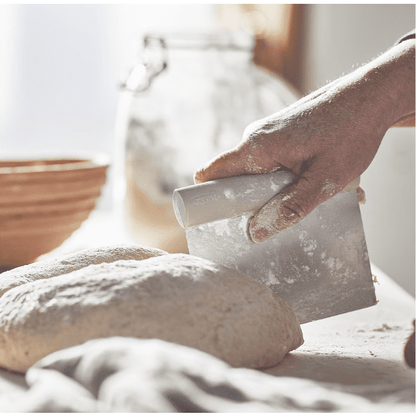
x=274, y=217
x=241, y=160
x=289, y=207
x=360, y=191
x=361, y=195
x=225, y=165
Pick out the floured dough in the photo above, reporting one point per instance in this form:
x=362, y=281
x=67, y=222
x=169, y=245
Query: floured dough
x=174, y=297
x=56, y=267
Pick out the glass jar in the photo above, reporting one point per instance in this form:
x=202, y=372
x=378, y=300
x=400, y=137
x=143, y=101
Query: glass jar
x=188, y=98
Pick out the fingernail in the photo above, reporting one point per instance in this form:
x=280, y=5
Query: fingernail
x=257, y=233
x=197, y=176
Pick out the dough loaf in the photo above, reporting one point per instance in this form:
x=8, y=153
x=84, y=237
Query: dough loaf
x=56, y=267
x=174, y=297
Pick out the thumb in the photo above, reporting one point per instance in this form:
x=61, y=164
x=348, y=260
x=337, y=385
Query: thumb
x=289, y=207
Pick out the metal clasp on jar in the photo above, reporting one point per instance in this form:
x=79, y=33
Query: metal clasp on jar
x=151, y=63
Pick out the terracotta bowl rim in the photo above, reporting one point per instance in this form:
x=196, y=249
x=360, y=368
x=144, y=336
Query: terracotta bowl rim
x=53, y=163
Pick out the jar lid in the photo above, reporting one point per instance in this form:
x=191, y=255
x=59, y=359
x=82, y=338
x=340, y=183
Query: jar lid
x=221, y=39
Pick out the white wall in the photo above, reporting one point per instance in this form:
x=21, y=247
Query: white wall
x=60, y=67
x=338, y=38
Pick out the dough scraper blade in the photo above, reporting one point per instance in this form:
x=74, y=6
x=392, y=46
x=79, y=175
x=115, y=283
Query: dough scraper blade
x=320, y=267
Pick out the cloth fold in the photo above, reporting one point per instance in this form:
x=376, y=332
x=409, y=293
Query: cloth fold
x=137, y=375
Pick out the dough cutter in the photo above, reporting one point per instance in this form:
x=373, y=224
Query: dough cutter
x=319, y=267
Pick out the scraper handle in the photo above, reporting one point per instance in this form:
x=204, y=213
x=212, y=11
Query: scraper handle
x=227, y=197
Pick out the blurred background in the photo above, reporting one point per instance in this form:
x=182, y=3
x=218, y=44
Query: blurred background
x=60, y=67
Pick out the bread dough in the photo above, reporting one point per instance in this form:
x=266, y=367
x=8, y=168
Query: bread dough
x=174, y=297
x=56, y=267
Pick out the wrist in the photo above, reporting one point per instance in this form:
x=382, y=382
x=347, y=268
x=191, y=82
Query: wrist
x=392, y=76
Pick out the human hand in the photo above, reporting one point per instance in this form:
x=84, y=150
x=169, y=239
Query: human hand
x=326, y=139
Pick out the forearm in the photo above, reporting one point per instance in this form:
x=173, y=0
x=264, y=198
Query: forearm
x=394, y=73
x=386, y=85
x=409, y=119
x=376, y=95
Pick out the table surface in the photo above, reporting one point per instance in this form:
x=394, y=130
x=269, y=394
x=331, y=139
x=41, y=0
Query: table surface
x=360, y=352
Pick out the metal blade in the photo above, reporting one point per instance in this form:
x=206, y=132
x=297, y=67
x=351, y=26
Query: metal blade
x=320, y=267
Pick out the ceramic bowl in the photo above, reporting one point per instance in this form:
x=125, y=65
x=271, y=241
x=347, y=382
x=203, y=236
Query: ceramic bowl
x=43, y=201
